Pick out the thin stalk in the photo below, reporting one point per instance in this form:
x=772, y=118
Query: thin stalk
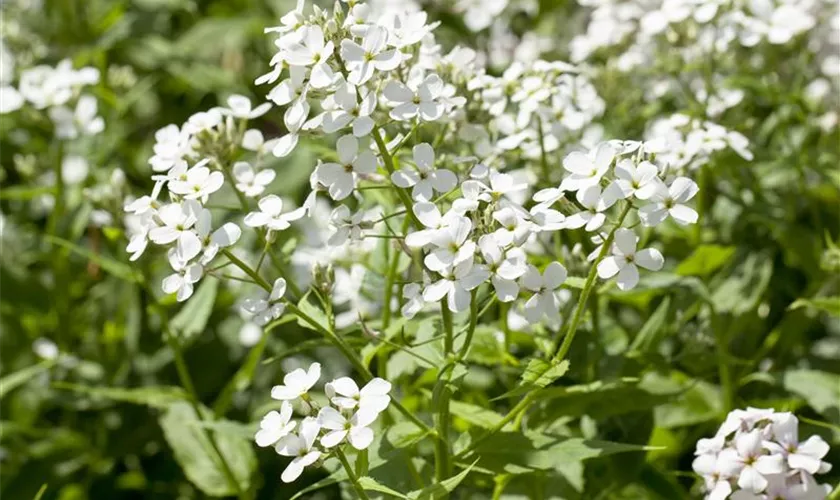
x=351, y=474
x=388, y=160
x=471, y=327
x=442, y=397
x=563, y=350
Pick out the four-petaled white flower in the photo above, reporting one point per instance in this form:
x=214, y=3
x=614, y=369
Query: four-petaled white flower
x=355, y=429
x=347, y=225
x=593, y=217
x=250, y=181
x=806, y=456
x=372, y=55
x=345, y=394
x=417, y=99
x=587, y=168
x=275, y=425
x=426, y=179
x=311, y=50
x=340, y=178
x=299, y=446
x=177, y=221
x=182, y=280
x=546, y=300
x=640, y=181
x=197, y=183
x=70, y=124
x=671, y=201
x=271, y=214
x=504, y=267
x=625, y=259
x=239, y=106
x=750, y=461
x=266, y=307
x=452, y=244
x=455, y=284
x=297, y=382
x=352, y=110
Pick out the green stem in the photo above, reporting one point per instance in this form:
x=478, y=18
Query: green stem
x=563, y=350
x=721, y=345
x=388, y=160
x=442, y=396
x=471, y=327
x=351, y=474
x=511, y=415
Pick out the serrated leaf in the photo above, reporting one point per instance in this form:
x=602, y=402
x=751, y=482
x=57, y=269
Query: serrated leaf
x=192, y=319
x=371, y=484
x=541, y=373
x=160, y=397
x=195, y=454
x=705, y=260
x=476, y=415
x=443, y=488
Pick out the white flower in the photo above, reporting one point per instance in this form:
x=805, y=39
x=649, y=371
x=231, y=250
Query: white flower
x=452, y=244
x=749, y=459
x=546, y=299
x=414, y=303
x=587, y=169
x=250, y=181
x=352, y=111
x=171, y=145
x=502, y=187
x=455, y=284
x=203, y=120
x=418, y=99
x=239, y=106
x=312, y=50
x=345, y=394
x=225, y=236
x=504, y=267
x=346, y=225
x=266, y=307
x=671, y=201
x=372, y=55
x=83, y=121
x=428, y=215
x=625, y=258
x=253, y=140
x=595, y=204
x=178, y=220
x=185, y=276
x=717, y=480
x=297, y=382
x=514, y=229
x=271, y=214
x=806, y=456
x=640, y=181
x=340, y=178
x=356, y=430
x=425, y=180
x=275, y=425
x=198, y=183
x=45, y=348
x=10, y=99
x=294, y=118
x=299, y=446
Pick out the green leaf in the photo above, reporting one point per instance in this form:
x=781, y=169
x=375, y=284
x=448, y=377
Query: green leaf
x=196, y=456
x=41, y=491
x=475, y=415
x=820, y=389
x=441, y=489
x=599, y=400
x=313, y=312
x=518, y=453
x=160, y=397
x=14, y=380
x=541, y=373
x=748, y=283
x=192, y=319
x=111, y=266
x=830, y=305
x=370, y=484
x=650, y=335
x=692, y=401
x=705, y=260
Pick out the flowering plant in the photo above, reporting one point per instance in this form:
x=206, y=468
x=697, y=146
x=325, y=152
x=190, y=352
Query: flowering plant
x=521, y=275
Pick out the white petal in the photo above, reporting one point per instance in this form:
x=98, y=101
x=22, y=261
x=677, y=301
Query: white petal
x=360, y=437
x=650, y=258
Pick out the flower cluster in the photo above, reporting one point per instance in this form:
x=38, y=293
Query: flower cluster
x=58, y=90
x=757, y=455
x=347, y=418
